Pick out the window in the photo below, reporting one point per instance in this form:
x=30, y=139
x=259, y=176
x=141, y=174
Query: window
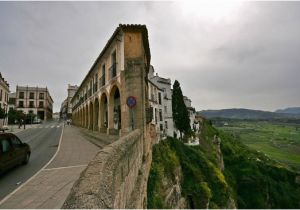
x=102, y=78
x=21, y=104
x=31, y=95
x=41, y=104
x=161, y=127
x=21, y=95
x=160, y=115
x=15, y=141
x=159, y=97
x=95, y=83
x=41, y=96
x=166, y=109
x=1, y=95
x=166, y=124
x=6, y=147
x=31, y=104
x=113, y=68
x=155, y=116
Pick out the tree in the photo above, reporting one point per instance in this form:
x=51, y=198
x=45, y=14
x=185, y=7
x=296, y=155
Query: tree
x=14, y=115
x=30, y=117
x=180, y=112
x=2, y=113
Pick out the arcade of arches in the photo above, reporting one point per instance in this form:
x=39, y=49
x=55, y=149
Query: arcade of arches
x=102, y=112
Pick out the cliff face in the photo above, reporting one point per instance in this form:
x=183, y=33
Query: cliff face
x=187, y=177
x=219, y=173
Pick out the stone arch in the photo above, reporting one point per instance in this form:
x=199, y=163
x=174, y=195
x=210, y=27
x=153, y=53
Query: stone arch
x=86, y=119
x=103, y=123
x=91, y=115
x=115, y=109
x=96, y=115
x=80, y=117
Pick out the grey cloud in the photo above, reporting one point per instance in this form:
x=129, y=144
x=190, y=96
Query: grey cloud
x=250, y=61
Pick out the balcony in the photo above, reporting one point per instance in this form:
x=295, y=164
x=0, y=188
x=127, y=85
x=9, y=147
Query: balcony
x=113, y=70
x=95, y=87
x=102, y=81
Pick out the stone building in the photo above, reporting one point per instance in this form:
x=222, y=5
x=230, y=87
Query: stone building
x=34, y=100
x=4, y=91
x=164, y=85
x=100, y=102
x=66, y=106
x=64, y=109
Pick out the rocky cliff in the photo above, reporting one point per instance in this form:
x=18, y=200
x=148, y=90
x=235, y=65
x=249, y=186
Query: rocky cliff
x=219, y=173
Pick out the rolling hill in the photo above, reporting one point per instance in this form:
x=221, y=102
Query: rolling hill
x=289, y=110
x=247, y=114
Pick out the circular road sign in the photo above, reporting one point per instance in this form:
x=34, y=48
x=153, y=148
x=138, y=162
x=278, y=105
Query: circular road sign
x=131, y=101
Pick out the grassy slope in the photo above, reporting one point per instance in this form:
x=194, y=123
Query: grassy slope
x=251, y=178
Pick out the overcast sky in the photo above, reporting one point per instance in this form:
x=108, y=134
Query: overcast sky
x=225, y=55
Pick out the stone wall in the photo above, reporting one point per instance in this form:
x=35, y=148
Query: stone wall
x=115, y=178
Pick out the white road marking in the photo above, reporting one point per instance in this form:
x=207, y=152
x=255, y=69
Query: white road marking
x=37, y=173
x=65, y=167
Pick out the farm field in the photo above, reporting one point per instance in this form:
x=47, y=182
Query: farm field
x=278, y=140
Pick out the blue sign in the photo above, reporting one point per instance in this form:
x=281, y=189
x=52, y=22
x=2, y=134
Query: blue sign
x=131, y=101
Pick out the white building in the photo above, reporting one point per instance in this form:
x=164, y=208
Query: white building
x=160, y=97
x=164, y=85
x=156, y=103
x=36, y=100
x=4, y=91
x=192, y=114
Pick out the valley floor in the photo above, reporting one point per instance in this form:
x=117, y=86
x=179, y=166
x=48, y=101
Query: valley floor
x=278, y=140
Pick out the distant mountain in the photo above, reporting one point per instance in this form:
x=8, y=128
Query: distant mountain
x=245, y=114
x=290, y=110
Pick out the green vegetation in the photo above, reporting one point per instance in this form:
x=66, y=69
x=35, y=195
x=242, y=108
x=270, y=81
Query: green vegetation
x=278, y=140
x=2, y=113
x=250, y=178
x=179, y=110
x=202, y=180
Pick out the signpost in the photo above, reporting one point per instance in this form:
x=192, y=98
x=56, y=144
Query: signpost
x=131, y=102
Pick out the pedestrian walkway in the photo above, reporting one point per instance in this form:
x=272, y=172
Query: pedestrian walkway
x=16, y=129
x=50, y=187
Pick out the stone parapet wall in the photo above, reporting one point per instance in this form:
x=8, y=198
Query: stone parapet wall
x=111, y=178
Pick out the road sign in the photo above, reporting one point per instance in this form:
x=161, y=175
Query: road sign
x=131, y=101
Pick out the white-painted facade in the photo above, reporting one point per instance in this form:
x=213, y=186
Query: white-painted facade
x=155, y=95
x=4, y=91
x=165, y=86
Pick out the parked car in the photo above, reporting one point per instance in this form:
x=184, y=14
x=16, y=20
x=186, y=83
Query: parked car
x=13, y=151
x=37, y=121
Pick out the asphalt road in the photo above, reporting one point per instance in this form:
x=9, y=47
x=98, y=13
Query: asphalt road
x=43, y=141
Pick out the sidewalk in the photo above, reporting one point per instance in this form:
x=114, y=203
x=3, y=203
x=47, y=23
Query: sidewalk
x=50, y=187
x=16, y=129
